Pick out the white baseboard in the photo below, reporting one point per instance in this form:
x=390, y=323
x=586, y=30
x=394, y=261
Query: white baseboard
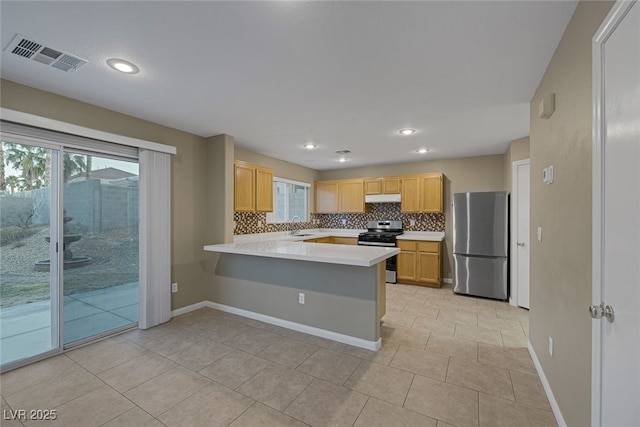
x=187, y=309
x=547, y=388
x=447, y=280
x=323, y=333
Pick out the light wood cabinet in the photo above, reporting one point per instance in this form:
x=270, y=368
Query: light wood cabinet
x=431, y=192
x=264, y=189
x=420, y=262
x=373, y=186
x=253, y=187
x=334, y=240
x=385, y=185
x=327, y=197
x=410, y=195
x=422, y=193
x=344, y=240
x=351, y=195
x=419, y=193
x=327, y=239
x=345, y=195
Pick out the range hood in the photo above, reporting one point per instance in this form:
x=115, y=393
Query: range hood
x=382, y=198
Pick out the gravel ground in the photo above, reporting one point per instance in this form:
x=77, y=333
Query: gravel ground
x=114, y=262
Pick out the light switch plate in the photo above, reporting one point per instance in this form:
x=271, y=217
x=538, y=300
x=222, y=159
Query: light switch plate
x=539, y=234
x=547, y=175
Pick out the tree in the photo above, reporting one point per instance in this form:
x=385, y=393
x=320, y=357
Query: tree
x=73, y=163
x=12, y=182
x=30, y=161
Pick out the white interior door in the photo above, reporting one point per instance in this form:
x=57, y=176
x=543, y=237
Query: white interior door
x=520, y=252
x=617, y=168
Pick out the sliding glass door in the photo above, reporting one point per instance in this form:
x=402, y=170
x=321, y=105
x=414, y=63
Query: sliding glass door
x=100, y=256
x=69, y=258
x=29, y=279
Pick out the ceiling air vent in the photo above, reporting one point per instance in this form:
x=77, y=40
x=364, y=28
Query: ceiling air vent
x=29, y=49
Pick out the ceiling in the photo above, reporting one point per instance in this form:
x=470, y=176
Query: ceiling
x=343, y=75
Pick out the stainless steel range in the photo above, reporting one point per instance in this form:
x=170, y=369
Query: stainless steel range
x=383, y=233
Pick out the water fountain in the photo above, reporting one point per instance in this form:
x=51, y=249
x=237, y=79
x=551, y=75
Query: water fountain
x=70, y=261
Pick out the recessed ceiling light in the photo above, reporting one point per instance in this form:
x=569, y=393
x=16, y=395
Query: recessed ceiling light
x=310, y=146
x=407, y=131
x=342, y=159
x=422, y=150
x=123, y=66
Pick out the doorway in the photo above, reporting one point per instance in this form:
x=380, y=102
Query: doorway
x=616, y=219
x=70, y=259
x=521, y=233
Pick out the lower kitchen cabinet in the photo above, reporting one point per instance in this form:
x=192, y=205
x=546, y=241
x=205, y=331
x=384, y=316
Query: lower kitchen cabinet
x=335, y=240
x=420, y=262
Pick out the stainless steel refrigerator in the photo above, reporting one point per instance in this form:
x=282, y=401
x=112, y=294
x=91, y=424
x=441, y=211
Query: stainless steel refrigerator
x=481, y=244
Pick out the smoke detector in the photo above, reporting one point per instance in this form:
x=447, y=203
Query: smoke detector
x=34, y=51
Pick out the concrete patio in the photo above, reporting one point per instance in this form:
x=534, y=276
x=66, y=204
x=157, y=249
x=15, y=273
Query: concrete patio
x=25, y=330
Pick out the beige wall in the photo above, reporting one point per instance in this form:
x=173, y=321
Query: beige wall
x=561, y=263
x=188, y=175
x=485, y=173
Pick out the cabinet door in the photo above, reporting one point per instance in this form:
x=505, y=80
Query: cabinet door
x=326, y=197
x=264, y=189
x=244, y=188
x=344, y=240
x=373, y=186
x=431, y=193
x=429, y=267
x=410, y=201
x=407, y=265
x=351, y=196
x=391, y=185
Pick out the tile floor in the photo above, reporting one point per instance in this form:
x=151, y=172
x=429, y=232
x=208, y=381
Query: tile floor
x=446, y=360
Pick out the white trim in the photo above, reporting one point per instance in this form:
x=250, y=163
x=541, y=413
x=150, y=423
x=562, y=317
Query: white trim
x=515, y=178
x=547, y=388
x=56, y=125
x=188, y=309
x=447, y=280
x=290, y=181
x=610, y=23
x=323, y=333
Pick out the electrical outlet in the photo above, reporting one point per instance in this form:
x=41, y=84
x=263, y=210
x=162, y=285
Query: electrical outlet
x=259, y=224
x=174, y=287
x=550, y=346
x=412, y=222
x=343, y=221
x=301, y=298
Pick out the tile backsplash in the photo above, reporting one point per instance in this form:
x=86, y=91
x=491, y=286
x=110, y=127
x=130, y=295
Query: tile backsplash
x=248, y=222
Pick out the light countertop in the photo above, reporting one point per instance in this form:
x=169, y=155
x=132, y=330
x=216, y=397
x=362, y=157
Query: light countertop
x=433, y=236
x=364, y=256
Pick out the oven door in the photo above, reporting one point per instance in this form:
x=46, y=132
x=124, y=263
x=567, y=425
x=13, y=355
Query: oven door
x=391, y=264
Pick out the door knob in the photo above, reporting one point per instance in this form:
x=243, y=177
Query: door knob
x=608, y=313
x=600, y=311
x=520, y=243
x=596, y=311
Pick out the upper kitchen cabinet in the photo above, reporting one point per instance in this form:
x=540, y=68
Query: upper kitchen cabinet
x=431, y=192
x=422, y=193
x=253, y=187
x=386, y=185
x=327, y=197
x=351, y=195
x=345, y=195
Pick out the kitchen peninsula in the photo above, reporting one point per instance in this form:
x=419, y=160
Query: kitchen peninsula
x=330, y=290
